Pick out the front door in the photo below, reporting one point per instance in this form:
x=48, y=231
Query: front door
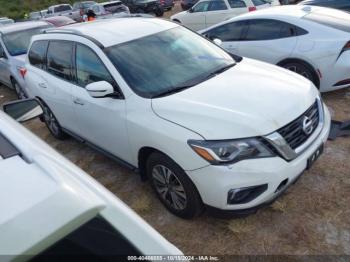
x=102, y=121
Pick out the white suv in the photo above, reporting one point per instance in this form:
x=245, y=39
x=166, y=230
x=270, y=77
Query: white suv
x=206, y=127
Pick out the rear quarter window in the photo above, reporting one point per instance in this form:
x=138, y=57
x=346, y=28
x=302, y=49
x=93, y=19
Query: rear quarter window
x=37, y=54
x=259, y=2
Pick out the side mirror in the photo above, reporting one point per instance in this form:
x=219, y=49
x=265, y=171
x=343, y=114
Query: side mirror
x=23, y=110
x=2, y=53
x=190, y=10
x=217, y=41
x=100, y=89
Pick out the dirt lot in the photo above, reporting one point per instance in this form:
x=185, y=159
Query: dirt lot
x=313, y=217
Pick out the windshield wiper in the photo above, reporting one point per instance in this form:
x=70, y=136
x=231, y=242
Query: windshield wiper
x=172, y=90
x=221, y=70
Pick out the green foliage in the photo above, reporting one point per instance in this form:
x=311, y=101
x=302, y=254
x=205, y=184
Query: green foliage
x=16, y=9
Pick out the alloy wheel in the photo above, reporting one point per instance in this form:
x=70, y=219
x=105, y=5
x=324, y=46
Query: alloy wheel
x=169, y=187
x=51, y=121
x=19, y=91
x=299, y=70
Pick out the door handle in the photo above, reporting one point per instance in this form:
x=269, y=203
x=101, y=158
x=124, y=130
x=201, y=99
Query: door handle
x=42, y=85
x=77, y=101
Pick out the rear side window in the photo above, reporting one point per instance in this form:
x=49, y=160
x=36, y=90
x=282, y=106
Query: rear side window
x=62, y=8
x=37, y=54
x=268, y=29
x=237, y=3
x=337, y=20
x=217, y=5
x=90, y=68
x=228, y=32
x=59, y=59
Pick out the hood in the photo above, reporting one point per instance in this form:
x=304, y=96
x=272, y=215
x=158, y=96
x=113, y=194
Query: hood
x=178, y=15
x=251, y=99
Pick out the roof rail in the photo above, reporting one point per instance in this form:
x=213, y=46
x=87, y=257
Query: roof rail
x=74, y=32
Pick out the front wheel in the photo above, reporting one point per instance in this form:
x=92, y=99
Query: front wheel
x=159, y=12
x=173, y=187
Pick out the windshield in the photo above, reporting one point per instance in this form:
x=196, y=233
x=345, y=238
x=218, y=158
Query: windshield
x=17, y=42
x=167, y=60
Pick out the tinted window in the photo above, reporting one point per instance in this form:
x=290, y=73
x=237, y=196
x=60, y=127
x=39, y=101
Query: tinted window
x=17, y=43
x=258, y=2
x=265, y=29
x=90, y=68
x=96, y=240
x=217, y=5
x=37, y=54
x=337, y=20
x=59, y=59
x=227, y=32
x=201, y=7
x=236, y=3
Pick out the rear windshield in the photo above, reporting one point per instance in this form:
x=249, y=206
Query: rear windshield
x=338, y=20
x=17, y=42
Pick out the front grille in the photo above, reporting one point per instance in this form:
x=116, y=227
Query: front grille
x=294, y=134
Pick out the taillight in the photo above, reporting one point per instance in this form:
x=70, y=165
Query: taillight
x=252, y=8
x=23, y=71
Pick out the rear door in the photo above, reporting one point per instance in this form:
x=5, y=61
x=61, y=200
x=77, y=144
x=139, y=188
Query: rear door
x=268, y=40
x=195, y=17
x=216, y=13
x=55, y=84
x=260, y=4
x=4, y=67
x=238, y=7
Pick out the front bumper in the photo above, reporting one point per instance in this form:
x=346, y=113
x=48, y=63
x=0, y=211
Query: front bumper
x=214, y=182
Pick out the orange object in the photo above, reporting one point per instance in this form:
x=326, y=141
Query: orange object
x=91, y=18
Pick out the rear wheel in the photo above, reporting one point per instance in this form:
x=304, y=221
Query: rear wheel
x=173, y=187
x=52, y=123
x=301, y=69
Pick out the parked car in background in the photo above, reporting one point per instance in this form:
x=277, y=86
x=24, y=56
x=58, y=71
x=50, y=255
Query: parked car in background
x=167, y=4
x=14, y=42
x=59, y=21
x=343, y=5
x=37, y=15
x=83, y=6
x=6, y=21
x=107, y=8
x=199, y=123
x=187, y=4
x=210, y=12
x=63, y=211
x=313, y=42
x=144, y=6
x=65, y=10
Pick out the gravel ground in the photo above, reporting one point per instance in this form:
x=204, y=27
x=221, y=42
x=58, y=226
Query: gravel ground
x=312, y=217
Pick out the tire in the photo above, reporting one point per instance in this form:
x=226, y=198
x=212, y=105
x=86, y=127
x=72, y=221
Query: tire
x=52, y=123
x=20, y=92
x=159, y=12
x=301, y=69
x=173, y=187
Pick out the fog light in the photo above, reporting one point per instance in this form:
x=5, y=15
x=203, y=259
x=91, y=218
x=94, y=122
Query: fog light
x=245, y=194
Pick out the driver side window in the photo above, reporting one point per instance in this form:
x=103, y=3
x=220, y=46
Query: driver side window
x=201, y=7
x=89, y=67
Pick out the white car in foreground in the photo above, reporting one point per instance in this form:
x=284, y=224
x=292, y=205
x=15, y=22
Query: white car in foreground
x=206, y=13
x=50, y=208
x=205, y=127
x=311, y=41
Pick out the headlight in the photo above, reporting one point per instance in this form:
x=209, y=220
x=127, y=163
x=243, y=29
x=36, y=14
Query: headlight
x=230, y=151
